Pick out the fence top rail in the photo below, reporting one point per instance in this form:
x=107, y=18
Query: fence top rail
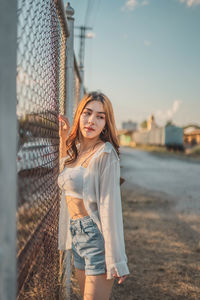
x=60, y=4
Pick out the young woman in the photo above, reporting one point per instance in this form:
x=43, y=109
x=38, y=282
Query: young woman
x=90, y=221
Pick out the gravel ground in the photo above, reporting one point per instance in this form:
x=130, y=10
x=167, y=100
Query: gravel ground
x=162, y=246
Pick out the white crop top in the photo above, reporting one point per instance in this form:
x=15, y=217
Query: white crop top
x=71, y=181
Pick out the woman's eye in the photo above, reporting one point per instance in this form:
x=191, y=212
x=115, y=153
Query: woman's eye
x=100, y=117
x=86, y=113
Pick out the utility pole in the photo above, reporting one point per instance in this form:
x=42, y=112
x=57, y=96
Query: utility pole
x=82, y=37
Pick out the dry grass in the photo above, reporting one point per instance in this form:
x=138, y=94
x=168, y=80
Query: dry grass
x=195, y=150
x=162, y=248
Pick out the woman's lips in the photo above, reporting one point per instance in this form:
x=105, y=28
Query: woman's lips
x=89, y=128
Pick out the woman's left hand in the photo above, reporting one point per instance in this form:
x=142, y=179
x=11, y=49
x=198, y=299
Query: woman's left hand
x=121, y=279
x=64, y=126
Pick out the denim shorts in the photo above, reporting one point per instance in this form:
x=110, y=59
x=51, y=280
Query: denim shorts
x=87, y=246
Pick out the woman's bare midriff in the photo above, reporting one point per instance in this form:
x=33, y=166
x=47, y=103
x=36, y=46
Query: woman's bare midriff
x=76, y=207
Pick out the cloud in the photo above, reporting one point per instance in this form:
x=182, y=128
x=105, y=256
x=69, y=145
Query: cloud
x=90, y=35
x=132, y=4
x=165, y=115
x=144, y=3
x=190, y=3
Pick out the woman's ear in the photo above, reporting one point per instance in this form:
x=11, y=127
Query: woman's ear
x=104, y=130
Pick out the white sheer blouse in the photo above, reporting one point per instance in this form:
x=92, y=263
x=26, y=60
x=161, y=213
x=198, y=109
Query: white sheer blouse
x=102, y=200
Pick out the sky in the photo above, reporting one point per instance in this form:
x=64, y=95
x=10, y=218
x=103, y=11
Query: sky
x=144, y=55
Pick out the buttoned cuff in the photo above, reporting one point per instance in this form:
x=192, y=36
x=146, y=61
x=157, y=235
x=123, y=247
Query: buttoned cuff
x=120, y=269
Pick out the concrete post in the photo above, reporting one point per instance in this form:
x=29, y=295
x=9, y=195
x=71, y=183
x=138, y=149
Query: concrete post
x=8, y=138
x=70, y=63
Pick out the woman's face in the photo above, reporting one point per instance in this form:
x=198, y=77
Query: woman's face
x=92, y=120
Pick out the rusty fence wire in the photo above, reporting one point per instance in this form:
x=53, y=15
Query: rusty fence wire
x=41, y=45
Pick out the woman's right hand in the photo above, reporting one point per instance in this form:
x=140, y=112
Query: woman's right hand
x=64, y=126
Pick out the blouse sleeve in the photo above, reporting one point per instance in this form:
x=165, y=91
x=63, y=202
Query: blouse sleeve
x=62, y=160
x=111, y=219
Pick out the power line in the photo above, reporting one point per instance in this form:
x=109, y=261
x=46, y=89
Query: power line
x=96, y=11
x=82, y=37
x=88, y=11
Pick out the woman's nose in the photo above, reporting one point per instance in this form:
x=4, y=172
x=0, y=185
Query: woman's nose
x=91, y=119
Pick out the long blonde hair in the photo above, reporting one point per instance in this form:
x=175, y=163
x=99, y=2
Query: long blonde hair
x=108, y=134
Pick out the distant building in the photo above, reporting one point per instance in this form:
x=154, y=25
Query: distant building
x=192, y=137
x=125, y=137
x=170, y=136
x=129, y=125
x=151, y=124
x=190, y=128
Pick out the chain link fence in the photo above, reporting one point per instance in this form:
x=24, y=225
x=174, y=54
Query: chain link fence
x=41, y=96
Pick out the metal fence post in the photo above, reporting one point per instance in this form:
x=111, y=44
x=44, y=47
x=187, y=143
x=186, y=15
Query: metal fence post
x=70, y=63
x=69, y=107
x=8, y=123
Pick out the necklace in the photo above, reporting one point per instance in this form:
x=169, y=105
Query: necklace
x=87, y=151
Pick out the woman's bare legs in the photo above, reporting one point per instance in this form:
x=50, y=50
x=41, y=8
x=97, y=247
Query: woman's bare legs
x=80, y=275
x=94, y=287
x=97, y=287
